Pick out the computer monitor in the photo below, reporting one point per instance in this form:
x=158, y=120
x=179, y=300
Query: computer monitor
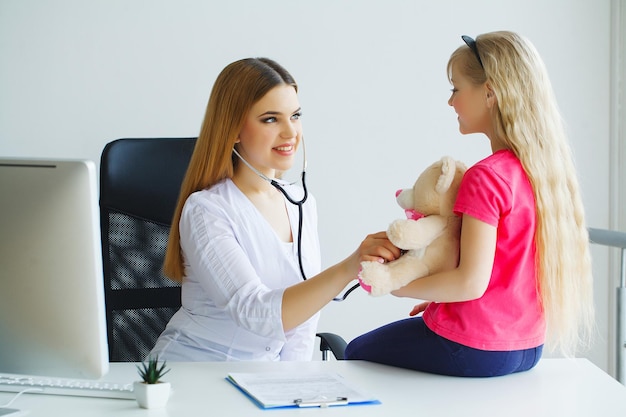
x=52, y=315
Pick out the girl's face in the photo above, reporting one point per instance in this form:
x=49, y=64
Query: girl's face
x=272, y=131
x=471, y=104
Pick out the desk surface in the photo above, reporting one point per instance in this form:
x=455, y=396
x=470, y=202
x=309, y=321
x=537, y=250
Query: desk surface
x=556, y=387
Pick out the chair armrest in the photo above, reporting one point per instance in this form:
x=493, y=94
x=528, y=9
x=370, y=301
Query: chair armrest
x=333, y=342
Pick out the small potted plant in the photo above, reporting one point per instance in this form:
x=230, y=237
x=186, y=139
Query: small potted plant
x=151, y=392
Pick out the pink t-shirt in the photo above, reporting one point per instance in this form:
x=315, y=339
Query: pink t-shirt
x=509, y=315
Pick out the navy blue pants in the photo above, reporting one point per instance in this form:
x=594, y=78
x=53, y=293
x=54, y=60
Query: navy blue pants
x=411, y=344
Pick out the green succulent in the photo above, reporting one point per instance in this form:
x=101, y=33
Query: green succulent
x=150, y=371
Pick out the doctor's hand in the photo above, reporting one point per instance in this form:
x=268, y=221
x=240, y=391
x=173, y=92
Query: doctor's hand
x=378, y=248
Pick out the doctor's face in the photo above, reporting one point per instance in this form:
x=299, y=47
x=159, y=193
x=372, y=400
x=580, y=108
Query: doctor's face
x=272, y=131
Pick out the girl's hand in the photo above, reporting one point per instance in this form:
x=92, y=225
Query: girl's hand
x=419, y=308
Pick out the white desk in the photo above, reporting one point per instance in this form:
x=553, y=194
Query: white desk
x=556, y=387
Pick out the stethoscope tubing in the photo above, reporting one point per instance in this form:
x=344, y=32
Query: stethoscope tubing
x=298, y=203
x=295, y=202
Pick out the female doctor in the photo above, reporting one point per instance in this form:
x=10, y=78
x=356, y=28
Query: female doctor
x=236, y=242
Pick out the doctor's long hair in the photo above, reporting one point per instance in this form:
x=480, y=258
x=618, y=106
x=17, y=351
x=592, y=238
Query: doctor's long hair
x=237, y=88
x=527, y=120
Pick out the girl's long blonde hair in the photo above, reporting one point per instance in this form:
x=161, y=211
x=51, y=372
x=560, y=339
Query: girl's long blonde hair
x=237, y=88
x=528, y=122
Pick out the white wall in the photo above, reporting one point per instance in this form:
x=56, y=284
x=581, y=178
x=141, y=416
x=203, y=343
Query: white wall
x=76, y=74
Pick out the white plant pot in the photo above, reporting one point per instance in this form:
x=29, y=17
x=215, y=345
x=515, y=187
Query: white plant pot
x=151, y=395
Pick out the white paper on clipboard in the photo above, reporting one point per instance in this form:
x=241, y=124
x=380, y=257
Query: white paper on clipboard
x=299, y=389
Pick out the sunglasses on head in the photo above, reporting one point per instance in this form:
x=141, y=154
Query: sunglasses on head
x=472, y=44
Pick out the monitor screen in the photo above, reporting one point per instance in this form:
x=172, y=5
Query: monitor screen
x=52, y=316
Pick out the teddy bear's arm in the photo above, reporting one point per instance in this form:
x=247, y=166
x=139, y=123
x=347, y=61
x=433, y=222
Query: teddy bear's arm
x=416, y=234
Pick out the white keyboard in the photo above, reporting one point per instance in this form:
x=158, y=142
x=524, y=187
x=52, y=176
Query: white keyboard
x=63, y=386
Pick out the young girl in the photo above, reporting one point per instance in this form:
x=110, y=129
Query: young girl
x=524, y=272
x=232, y=237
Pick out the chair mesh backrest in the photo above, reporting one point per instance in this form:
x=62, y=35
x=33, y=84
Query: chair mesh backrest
x=139, y=185
x=135, y=332
x=136, y=250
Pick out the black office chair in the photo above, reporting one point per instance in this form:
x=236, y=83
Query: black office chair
x=139, y=185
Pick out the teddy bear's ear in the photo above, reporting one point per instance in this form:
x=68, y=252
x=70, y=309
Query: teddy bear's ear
x=448, y=170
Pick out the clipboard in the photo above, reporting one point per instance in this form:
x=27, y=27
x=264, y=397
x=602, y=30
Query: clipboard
x=299, y=389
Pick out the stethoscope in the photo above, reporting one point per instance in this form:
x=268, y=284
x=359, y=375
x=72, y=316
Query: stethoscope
x=295, y=202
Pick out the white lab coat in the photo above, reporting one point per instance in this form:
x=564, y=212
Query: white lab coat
x=236, y=271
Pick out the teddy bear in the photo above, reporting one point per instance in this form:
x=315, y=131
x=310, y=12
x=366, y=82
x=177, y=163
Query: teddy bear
x=429, y=237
